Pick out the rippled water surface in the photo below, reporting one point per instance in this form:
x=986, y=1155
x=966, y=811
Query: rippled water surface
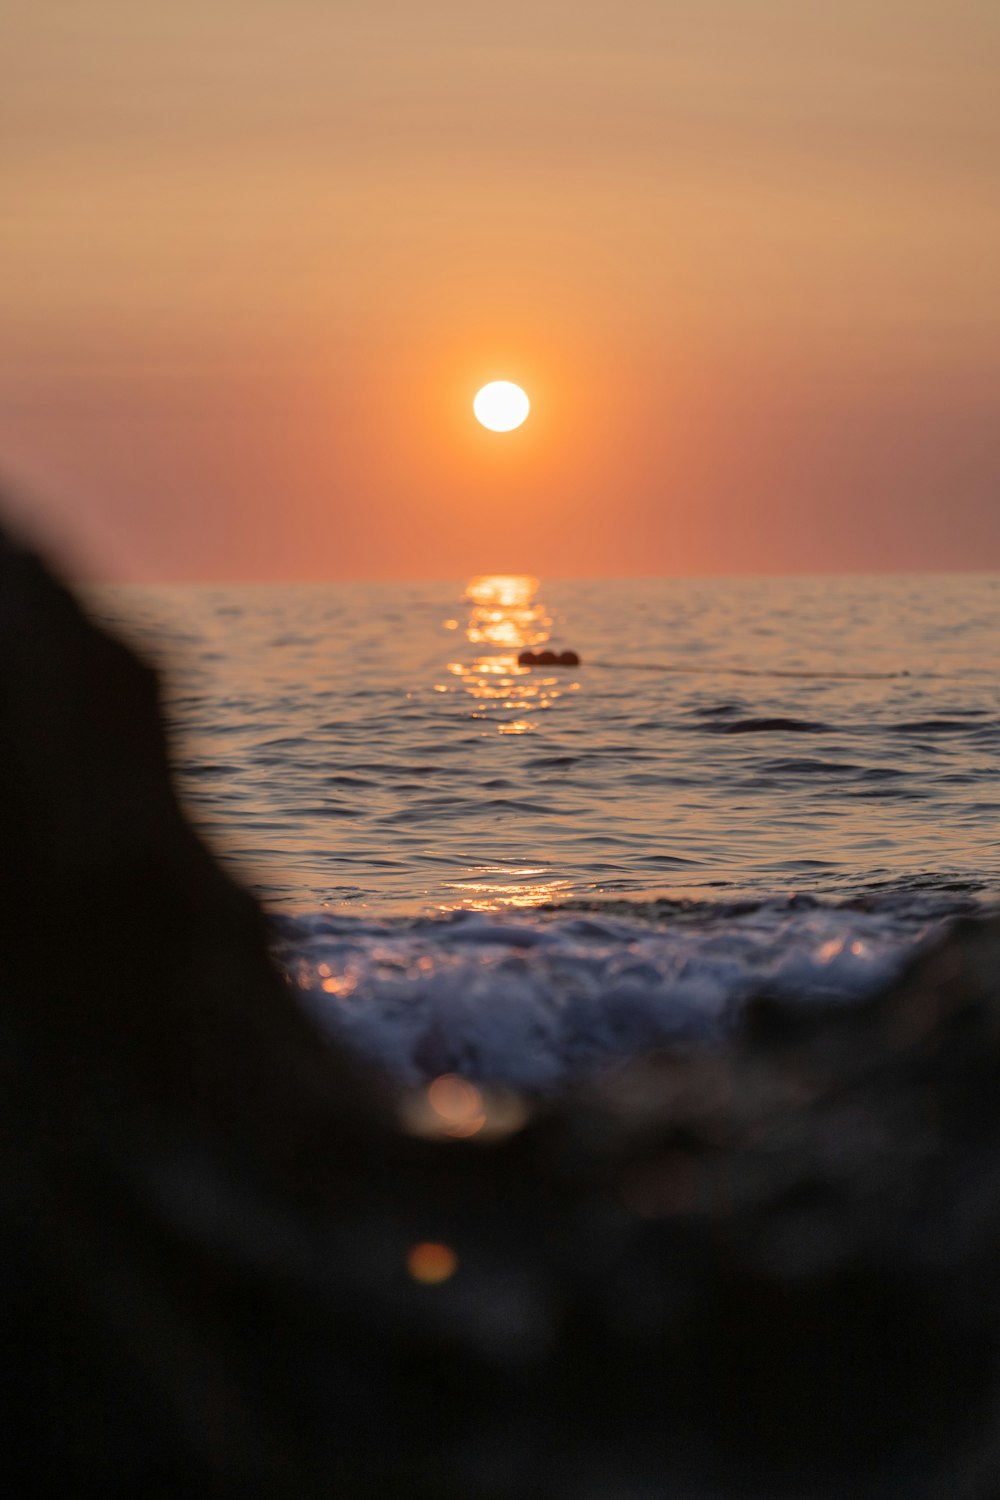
x=406, y=796
x=381, y=746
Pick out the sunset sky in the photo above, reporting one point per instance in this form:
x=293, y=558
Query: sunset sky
x=742, y=255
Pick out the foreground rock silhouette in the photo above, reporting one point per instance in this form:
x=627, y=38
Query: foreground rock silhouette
x=767, y=1272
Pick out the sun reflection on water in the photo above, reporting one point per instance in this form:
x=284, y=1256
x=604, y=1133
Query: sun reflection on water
x=507, y=617
x=504, y=611
x=492, y=888
x=509, y=698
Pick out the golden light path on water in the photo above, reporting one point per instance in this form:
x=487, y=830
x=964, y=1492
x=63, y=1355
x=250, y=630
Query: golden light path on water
x=506, y=618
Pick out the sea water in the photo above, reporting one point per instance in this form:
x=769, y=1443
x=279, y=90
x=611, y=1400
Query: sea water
x=523, y=872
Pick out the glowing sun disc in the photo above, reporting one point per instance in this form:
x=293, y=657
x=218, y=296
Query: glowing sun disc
x=501, y=406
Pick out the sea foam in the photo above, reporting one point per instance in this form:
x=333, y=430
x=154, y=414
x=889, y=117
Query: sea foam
x=539, y=999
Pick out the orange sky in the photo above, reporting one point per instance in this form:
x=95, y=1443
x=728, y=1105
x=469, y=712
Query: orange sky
x=742, y=254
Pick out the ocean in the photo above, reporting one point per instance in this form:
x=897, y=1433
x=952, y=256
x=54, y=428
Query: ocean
x=525, y=874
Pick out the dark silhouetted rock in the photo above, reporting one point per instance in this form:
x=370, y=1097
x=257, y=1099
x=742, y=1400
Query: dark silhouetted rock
x=765, y=1272
x=548, y=658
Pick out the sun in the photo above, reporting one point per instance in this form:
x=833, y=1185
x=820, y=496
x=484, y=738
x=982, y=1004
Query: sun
x=501, y=406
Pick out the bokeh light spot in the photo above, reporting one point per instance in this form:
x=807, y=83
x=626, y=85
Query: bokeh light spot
x=458, y=1103
x=431, y=1264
